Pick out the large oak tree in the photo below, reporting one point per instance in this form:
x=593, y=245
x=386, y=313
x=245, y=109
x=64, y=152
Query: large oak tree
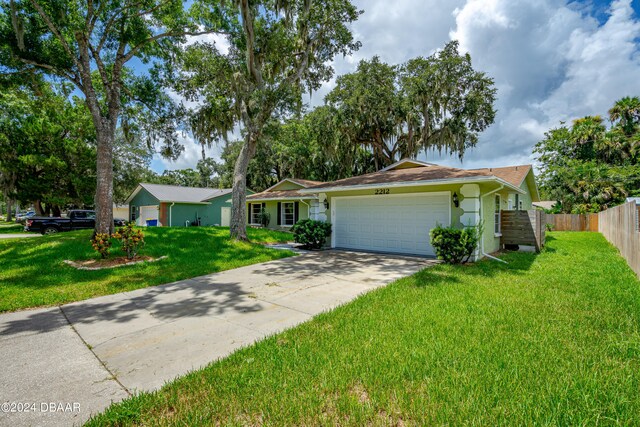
x=89, y=44
x=277, y=50
x=437, y=102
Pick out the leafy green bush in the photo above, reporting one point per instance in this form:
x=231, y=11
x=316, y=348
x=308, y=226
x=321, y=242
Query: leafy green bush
x=264, y=218
x=455, y=245
x=311, y=233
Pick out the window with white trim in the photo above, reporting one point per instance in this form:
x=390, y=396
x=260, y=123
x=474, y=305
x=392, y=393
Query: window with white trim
x=496, y=215
x=256, y=210
x=288, y=214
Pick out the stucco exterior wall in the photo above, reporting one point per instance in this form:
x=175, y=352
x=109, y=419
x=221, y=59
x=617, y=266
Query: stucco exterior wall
x=271, y=206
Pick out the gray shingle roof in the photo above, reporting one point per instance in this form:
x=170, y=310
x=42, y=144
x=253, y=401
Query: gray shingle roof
x=178, y=194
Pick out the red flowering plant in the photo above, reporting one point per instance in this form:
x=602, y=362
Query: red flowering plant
x=101, y=242
x=131, y=240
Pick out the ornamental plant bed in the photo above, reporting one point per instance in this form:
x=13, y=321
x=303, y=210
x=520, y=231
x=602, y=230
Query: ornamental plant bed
x=100, y=264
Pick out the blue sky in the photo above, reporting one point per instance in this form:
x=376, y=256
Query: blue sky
x=552, y=61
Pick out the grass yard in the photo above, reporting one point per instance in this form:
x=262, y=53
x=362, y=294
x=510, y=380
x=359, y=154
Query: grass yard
x=32, y=273
x=552, y=339
x=10, y=227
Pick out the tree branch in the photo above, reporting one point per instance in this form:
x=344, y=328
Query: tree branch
x=71, y=76
x=247, y=25
x=142, y=44
x=55, y=31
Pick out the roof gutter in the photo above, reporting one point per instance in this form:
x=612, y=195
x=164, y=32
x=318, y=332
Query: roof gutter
x=184, y=203
x=281, y=198
x=502, y=182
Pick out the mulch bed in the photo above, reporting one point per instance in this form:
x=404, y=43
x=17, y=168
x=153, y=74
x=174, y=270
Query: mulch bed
x=100, y=264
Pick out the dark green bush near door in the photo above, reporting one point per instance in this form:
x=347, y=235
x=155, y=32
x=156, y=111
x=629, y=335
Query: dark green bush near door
x=311, y=233
x=454, y=245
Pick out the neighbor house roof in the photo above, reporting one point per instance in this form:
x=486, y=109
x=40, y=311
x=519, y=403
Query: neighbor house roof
x=179, y=194
x=270, y=194
x=425, y=173
x=545, y=204
x=634, y=199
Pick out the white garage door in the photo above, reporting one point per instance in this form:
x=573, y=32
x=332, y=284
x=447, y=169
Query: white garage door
x=389, y=223
x=148, y=212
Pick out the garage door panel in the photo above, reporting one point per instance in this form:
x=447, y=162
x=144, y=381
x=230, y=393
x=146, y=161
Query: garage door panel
x=391, y=224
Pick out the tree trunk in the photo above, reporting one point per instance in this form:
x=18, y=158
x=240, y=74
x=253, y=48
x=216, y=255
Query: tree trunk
x=239, y=193
x=38, y=208
x=9, y=210
x=104, y=172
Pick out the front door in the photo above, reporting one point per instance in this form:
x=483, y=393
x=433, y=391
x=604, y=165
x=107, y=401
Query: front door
x=225, y=215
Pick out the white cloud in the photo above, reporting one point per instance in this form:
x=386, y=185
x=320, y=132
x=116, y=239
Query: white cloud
x=220, y=40
x=551, y=60
x=551, y=63
x=189, y=158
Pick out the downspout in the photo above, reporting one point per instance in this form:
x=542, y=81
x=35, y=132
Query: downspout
x=482, y=252
x=170, y=213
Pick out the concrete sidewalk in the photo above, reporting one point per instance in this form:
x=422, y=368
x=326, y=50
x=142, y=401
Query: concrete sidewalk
x=139, y=340
x=18, y=235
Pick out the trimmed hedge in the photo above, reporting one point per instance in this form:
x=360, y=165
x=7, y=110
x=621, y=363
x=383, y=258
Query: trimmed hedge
x=311, y=233
x=455, y=245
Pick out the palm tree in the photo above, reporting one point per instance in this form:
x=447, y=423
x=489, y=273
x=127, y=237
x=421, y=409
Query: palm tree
x=586, y=134
x=627, y=112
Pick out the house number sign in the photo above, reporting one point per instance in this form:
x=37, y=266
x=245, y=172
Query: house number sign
x=382, y=191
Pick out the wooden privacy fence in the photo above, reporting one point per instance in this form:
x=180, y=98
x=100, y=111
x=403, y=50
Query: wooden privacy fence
x=523, y=228
x=621, y=227
x=573, y=222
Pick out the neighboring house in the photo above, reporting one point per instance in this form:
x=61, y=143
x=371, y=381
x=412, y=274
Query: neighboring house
x=121, y=211
x=544, y=204
x=394, y=209
x=172, y=205
x=634, y=199
x=284, y=203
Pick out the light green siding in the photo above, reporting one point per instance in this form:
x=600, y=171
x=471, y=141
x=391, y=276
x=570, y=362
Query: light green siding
x=271, y=206
x=490, y=241
x=524, y=198
x=286, y=185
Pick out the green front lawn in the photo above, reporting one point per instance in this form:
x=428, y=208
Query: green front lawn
x=32, y=272
x=552, y=339
x=10, y=227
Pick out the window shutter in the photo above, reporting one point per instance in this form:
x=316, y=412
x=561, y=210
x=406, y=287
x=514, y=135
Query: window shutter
x=249, y=214
x=295, y=212
x=279, y=213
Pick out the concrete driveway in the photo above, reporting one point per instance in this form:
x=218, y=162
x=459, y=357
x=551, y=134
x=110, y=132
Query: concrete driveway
x=87, y=354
